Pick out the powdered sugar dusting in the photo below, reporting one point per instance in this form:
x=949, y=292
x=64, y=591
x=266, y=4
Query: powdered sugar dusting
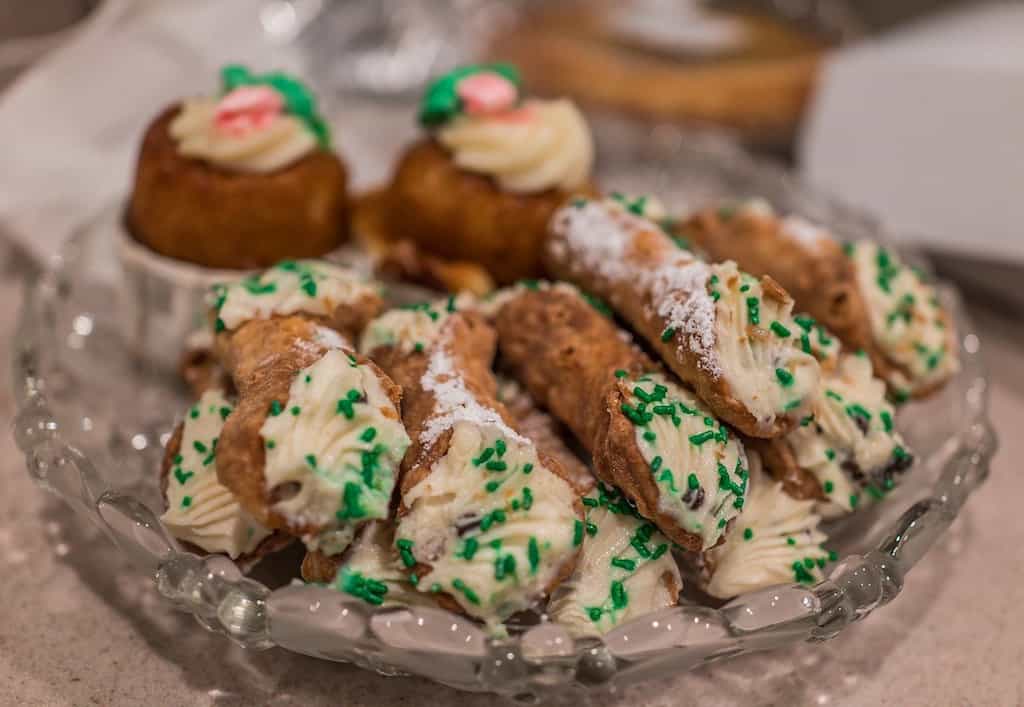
x=680, y=293
x=453, y=403
x=598, y=236
x=331, y=338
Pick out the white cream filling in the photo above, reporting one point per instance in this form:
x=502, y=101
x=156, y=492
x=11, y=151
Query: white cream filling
x=414, y=327
x=547, y=145
x=851, y=425
x=308, y=286
x=373, y=572
x=284, y=140
x=494, y=525
x=700, y=469
x=625, y=570
x=777, y=541
x=199, y=509
x=340, y=440
x=756, y=336
x=906, y=317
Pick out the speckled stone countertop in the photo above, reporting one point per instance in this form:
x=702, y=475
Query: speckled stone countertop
x=70, y=634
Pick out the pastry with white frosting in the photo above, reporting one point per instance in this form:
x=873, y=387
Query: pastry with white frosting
x=727, y=334
x=316, y=440
x=860, y=291
x=486, y=521
x=240, y=179
x=495, y=165
x=648, y=435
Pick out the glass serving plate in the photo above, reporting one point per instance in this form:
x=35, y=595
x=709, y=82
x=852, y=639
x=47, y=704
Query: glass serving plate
x=94, y=411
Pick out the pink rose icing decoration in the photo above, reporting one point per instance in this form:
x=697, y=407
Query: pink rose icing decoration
x=247, y=109
x=486, y=93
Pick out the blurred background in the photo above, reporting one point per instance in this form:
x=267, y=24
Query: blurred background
x=908, y=110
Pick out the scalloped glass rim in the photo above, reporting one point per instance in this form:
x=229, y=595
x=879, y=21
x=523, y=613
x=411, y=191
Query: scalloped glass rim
x=451, y=649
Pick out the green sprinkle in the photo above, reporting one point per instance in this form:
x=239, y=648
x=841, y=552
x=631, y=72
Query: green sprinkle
x=900, y=396
x=620, y=373
x=668, y=334
x=722, y=523
x=780, y=331
x=533, y=555
x=830, y=454
x=271, y=444
x=193, y=413
x=650, y=436
x=858, y=410
x=484, y=456
x=805, y=343
x=784, y=376
x=829, y=487
x=436, y=587
x=527, y=468
x=748, y=533
x=659, y=551
x=418, y=347
x=224, y=412
x=793, y=404
x=807, y=420
x=702, y=437
x=833, y=555
x=834, y=395
x=591, y=528
x=351, y=505
x=219, y=326
x=186, y=501
x=414, y=579
x=469, y=548
x=790, y=541
x=492, y=486
x=754, y=310
x=496, y=465
x=854, y=500
x=801, y=574
x=311, y=460
x=500, y=447
x=594, y=613
x=738, y=503
x=450, y=306
x=182, y=476
x=656, y=463
x=368, y=434
x=470, y=595
x=527, y=498
x=744, y=288
x=666, y=477
x=577, y=533
x=619, y=598
x=591, y=502
x=199, y=447
x=624, y=563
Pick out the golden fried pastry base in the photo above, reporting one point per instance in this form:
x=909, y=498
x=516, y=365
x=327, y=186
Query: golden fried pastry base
x=263, y=357
x=190, y=210
x=566, y=353
x=458, y=215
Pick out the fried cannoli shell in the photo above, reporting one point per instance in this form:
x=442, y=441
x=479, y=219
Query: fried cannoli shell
x=471, y=343
x=780, y=462
x=263, y=358
x=547, y=433
x=456, y=214
x=318, y=567
x=566, y=353
x=648, y=249
x=274, y=542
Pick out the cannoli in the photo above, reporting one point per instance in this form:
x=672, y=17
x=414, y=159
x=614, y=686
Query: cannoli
x=848, y=443
x=328, y=294
x=485, y=521
x=776, y=541
x=315, y=443
x=625, y=570
x=199, y=510
x=870, y=299
x=647, y=435
x=727, y=334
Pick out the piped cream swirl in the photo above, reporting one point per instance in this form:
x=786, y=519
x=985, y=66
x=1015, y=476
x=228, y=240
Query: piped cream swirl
x=281, y=142
x=542, y=145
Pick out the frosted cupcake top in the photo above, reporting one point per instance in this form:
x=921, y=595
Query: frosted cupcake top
x=527, y=146
x=258, y=124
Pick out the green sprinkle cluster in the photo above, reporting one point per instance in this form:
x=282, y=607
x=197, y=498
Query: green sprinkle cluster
x=370, y=590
